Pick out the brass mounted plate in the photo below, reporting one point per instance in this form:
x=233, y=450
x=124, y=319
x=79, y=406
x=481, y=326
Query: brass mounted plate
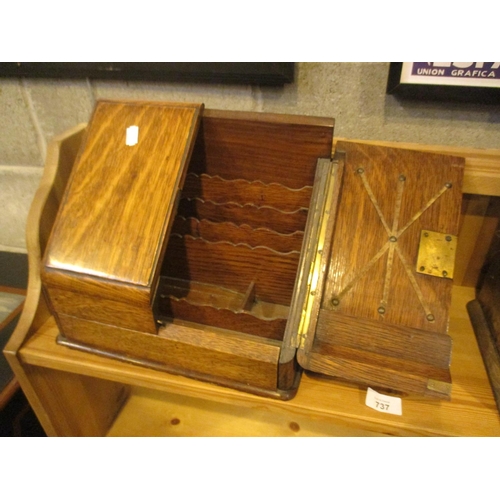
x=436, y=254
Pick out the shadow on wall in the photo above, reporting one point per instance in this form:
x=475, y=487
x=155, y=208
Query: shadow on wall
x=18, y=186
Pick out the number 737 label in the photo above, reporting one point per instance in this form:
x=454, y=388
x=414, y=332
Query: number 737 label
x=383, y=403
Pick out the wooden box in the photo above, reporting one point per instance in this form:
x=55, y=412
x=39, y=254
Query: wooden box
x=237, y=248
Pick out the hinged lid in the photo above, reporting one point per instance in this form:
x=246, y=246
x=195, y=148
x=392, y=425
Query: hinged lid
x=122, y=194
x=372, y=318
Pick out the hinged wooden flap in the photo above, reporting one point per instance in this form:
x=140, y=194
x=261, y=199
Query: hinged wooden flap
x=117, y=209
x=376, y=319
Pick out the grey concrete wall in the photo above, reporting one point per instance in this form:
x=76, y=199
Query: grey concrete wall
x=33, y=111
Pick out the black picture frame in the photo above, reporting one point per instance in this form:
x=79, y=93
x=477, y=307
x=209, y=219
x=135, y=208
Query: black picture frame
x=252, y=73
x=457, y=93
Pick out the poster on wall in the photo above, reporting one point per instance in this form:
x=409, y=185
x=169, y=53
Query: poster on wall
x=247, y=73
x=460, y=81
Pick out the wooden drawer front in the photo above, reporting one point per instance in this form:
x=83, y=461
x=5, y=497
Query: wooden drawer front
x=112, y=312
x=187, y=351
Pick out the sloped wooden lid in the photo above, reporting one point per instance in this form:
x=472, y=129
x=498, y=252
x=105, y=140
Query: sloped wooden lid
x=117, y=208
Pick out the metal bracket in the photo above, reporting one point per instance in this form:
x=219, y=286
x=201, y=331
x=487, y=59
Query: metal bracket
x=436, y=254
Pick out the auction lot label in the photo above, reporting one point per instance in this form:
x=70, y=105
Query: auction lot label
x=464, y=74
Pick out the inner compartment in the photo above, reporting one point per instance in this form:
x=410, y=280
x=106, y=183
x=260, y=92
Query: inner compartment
x=235, y=243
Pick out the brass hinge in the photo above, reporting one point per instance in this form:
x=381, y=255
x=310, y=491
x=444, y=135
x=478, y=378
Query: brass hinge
x=316, y=268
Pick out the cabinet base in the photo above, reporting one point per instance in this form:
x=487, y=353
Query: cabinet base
x=283, y=395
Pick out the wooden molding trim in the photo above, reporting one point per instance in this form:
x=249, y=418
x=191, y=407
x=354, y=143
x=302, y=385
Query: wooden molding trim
x=482, y=166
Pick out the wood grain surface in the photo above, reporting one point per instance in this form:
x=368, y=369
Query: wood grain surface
x=77, y=405
x=402, y=343
x=232, y=233
x=368, y=271
x=477, y=227
x=242, y=192
x=126, y=315
x=325, y=406
x=105, y=277
x=482, y=166
x=233, y=266
x=373, y=296
x=262, y=147
x=120, y=198
x=238, y=321
x=202, y=353
x=61, y=155
x=220, y=307
x=251, y=215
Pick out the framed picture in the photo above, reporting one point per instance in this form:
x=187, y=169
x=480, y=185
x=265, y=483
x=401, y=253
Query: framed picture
x=253, y=73
x=456, y=81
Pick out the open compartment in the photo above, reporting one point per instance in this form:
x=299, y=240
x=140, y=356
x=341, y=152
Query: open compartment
x=231, y=247
x=234, y=249
x=187, y=259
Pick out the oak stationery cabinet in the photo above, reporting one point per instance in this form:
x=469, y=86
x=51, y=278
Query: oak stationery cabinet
x=211, y=254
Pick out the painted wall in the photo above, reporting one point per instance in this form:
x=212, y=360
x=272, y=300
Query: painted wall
x=33, y=111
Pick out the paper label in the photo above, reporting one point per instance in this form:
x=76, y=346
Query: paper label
x=132, y=135
x=383, y=403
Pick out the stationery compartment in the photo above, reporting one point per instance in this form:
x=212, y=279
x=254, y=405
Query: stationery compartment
x=232, y=257
x=256, y=217
x=243, y=192
x=233, y=233
x=228, y=285
x=187, y=260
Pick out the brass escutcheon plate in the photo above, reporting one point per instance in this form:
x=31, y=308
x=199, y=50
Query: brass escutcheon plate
x=436, y=254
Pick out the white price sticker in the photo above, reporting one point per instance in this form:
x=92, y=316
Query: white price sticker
x=383, y=403
x=132, y=135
